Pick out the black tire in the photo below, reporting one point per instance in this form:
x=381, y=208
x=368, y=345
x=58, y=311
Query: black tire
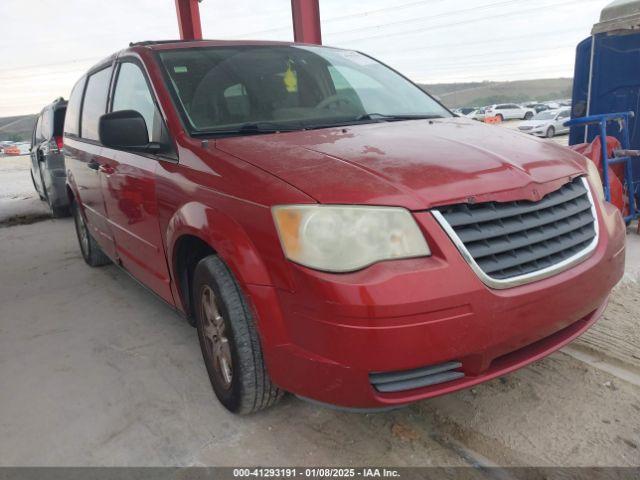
x=91, y=251
x=528, y=115
x=234, y=361
x=42, y=198
x=60, y=212
x=550, y=132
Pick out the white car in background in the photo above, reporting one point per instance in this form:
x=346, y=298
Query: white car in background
x=476, y=114
x=547, y=123
x=510, y=111
x=472, y=113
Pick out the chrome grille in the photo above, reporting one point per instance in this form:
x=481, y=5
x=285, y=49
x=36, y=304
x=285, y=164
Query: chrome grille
x=511, y=243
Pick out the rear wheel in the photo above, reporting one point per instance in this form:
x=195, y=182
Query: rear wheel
x=59, y=212
x=91, y=251
x=551, y=132
x=528, y=115
x=229, y=340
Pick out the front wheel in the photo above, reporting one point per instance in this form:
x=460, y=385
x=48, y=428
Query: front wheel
x=551, y=132
x=91, y=251
x=500, y=118
x=229, y=340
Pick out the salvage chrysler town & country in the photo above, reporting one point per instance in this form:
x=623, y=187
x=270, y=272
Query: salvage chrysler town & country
x=329, y=228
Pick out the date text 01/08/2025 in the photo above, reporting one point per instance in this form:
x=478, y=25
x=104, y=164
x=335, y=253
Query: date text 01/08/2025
x=315, y=472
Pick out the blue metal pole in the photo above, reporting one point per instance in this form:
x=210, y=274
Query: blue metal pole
x=629, y=168
x=605, y=160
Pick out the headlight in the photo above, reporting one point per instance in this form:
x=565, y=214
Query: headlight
x=595, y=180
x=346, y=238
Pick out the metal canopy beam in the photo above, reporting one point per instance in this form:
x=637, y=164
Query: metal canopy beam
x=306, y=21
x=305, y=13
x=189, y=19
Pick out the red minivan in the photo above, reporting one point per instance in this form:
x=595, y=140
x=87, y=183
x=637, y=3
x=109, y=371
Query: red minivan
x=329, y=228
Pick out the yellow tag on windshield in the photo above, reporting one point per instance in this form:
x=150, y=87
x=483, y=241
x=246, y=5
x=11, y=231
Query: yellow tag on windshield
x=290, y=79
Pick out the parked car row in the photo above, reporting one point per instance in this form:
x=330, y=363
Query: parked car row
x=328, y=227
x=510, y=111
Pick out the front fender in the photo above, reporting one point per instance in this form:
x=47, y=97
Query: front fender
x=224, y=235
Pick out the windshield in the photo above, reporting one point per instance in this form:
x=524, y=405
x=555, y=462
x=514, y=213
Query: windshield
x=545, y=115
x=278, y=87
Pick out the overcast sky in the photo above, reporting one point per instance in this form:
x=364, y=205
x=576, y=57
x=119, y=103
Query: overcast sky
x=47, y=44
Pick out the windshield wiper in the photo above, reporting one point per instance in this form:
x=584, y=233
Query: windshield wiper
x=252, y=128
x=391, y=118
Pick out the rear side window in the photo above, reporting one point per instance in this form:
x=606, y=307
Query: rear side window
x=72, y=120
x=58, y=121
x=47, y=124
x=33, y=134
x=39, y=129
x=95, y=103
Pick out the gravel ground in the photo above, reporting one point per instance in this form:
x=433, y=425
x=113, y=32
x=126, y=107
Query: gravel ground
x=18, y=198
x=94, y=370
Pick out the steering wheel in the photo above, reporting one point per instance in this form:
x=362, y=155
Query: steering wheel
x=334, y=102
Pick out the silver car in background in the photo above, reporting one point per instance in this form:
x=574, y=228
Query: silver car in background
x=547, y=123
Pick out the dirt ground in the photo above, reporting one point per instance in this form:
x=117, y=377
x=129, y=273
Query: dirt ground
x=94, y=370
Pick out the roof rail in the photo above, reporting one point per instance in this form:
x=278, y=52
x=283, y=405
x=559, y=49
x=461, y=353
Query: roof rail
x=144, y=43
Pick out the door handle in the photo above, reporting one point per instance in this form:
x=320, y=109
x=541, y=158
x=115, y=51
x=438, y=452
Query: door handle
x=93, y=165
x=107, y=169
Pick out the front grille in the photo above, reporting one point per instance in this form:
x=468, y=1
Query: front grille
x=417, y=378
x=506, y=240
x=525, y=128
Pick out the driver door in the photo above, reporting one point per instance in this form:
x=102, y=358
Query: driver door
x=129, y=186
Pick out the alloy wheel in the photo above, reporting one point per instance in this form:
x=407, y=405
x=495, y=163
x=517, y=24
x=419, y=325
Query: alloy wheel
x=216, y=341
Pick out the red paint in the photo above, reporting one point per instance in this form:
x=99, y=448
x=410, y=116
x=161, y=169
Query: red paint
x=322, y=334
x=306, y=21
x=188, y=12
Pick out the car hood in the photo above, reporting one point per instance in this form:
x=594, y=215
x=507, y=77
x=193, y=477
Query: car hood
x=416, y=164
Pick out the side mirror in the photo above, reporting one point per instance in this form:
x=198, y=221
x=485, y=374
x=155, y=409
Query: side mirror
x=127, y=130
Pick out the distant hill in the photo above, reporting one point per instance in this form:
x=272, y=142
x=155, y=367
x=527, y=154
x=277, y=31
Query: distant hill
x=479, y=94
x=17, y=128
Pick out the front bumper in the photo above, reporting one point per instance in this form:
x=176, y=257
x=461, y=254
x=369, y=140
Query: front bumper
x=325, y=339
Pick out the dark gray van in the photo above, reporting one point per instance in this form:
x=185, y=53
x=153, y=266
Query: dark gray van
x=47, y=161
